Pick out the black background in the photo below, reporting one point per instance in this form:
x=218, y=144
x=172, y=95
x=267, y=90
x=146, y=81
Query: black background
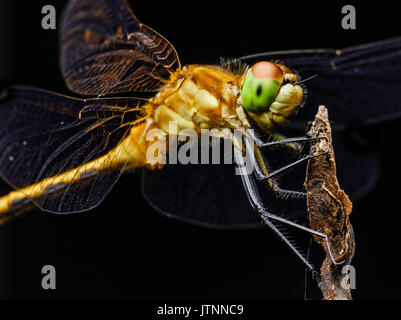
x=123, y=248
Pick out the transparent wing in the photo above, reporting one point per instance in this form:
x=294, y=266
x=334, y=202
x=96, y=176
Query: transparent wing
x=213, y=196
x=105, y=49
x=358, y=85
x=207, y=195
x=43, y=134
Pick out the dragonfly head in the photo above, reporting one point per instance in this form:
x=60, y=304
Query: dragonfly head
x=270, y=94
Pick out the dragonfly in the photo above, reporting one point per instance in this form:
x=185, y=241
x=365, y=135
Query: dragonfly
x=64, y=154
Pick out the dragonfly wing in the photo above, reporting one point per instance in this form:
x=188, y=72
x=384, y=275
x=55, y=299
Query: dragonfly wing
x=358, y=85
x=213, y=196
x=105, y=49
x=207, y=195
x=43, y=134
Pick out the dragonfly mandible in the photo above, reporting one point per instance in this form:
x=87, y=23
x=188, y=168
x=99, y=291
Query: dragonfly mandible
x=64, y=154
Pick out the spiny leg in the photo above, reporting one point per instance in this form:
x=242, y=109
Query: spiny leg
x=262, y=173
x=257, y=204
x=280, y=140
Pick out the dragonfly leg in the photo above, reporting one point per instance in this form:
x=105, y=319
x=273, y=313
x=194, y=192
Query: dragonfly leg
x=257, y=204
x=281, y=140
x=292, y=143
x=262, y=174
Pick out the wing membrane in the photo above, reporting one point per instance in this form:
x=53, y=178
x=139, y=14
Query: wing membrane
x=105, y=49
x=360, y=84
x=44, y=134
x=213, y=196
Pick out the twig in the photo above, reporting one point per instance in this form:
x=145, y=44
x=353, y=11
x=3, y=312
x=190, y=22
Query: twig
x=329, y=209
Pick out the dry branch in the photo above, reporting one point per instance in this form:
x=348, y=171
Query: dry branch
x=329, y=209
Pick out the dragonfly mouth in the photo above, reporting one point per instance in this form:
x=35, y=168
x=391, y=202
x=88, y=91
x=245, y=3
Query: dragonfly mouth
x=288, y=98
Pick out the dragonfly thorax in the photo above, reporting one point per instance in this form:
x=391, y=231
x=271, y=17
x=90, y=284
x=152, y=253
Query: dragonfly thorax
x=198, y=97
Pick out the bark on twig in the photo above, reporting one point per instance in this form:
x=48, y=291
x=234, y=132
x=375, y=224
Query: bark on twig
x=329, y=209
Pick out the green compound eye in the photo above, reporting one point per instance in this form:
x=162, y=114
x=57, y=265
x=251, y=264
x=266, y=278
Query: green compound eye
x=261, y=86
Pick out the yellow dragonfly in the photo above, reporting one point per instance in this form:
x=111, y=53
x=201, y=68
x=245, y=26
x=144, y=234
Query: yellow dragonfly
x=64, y=154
